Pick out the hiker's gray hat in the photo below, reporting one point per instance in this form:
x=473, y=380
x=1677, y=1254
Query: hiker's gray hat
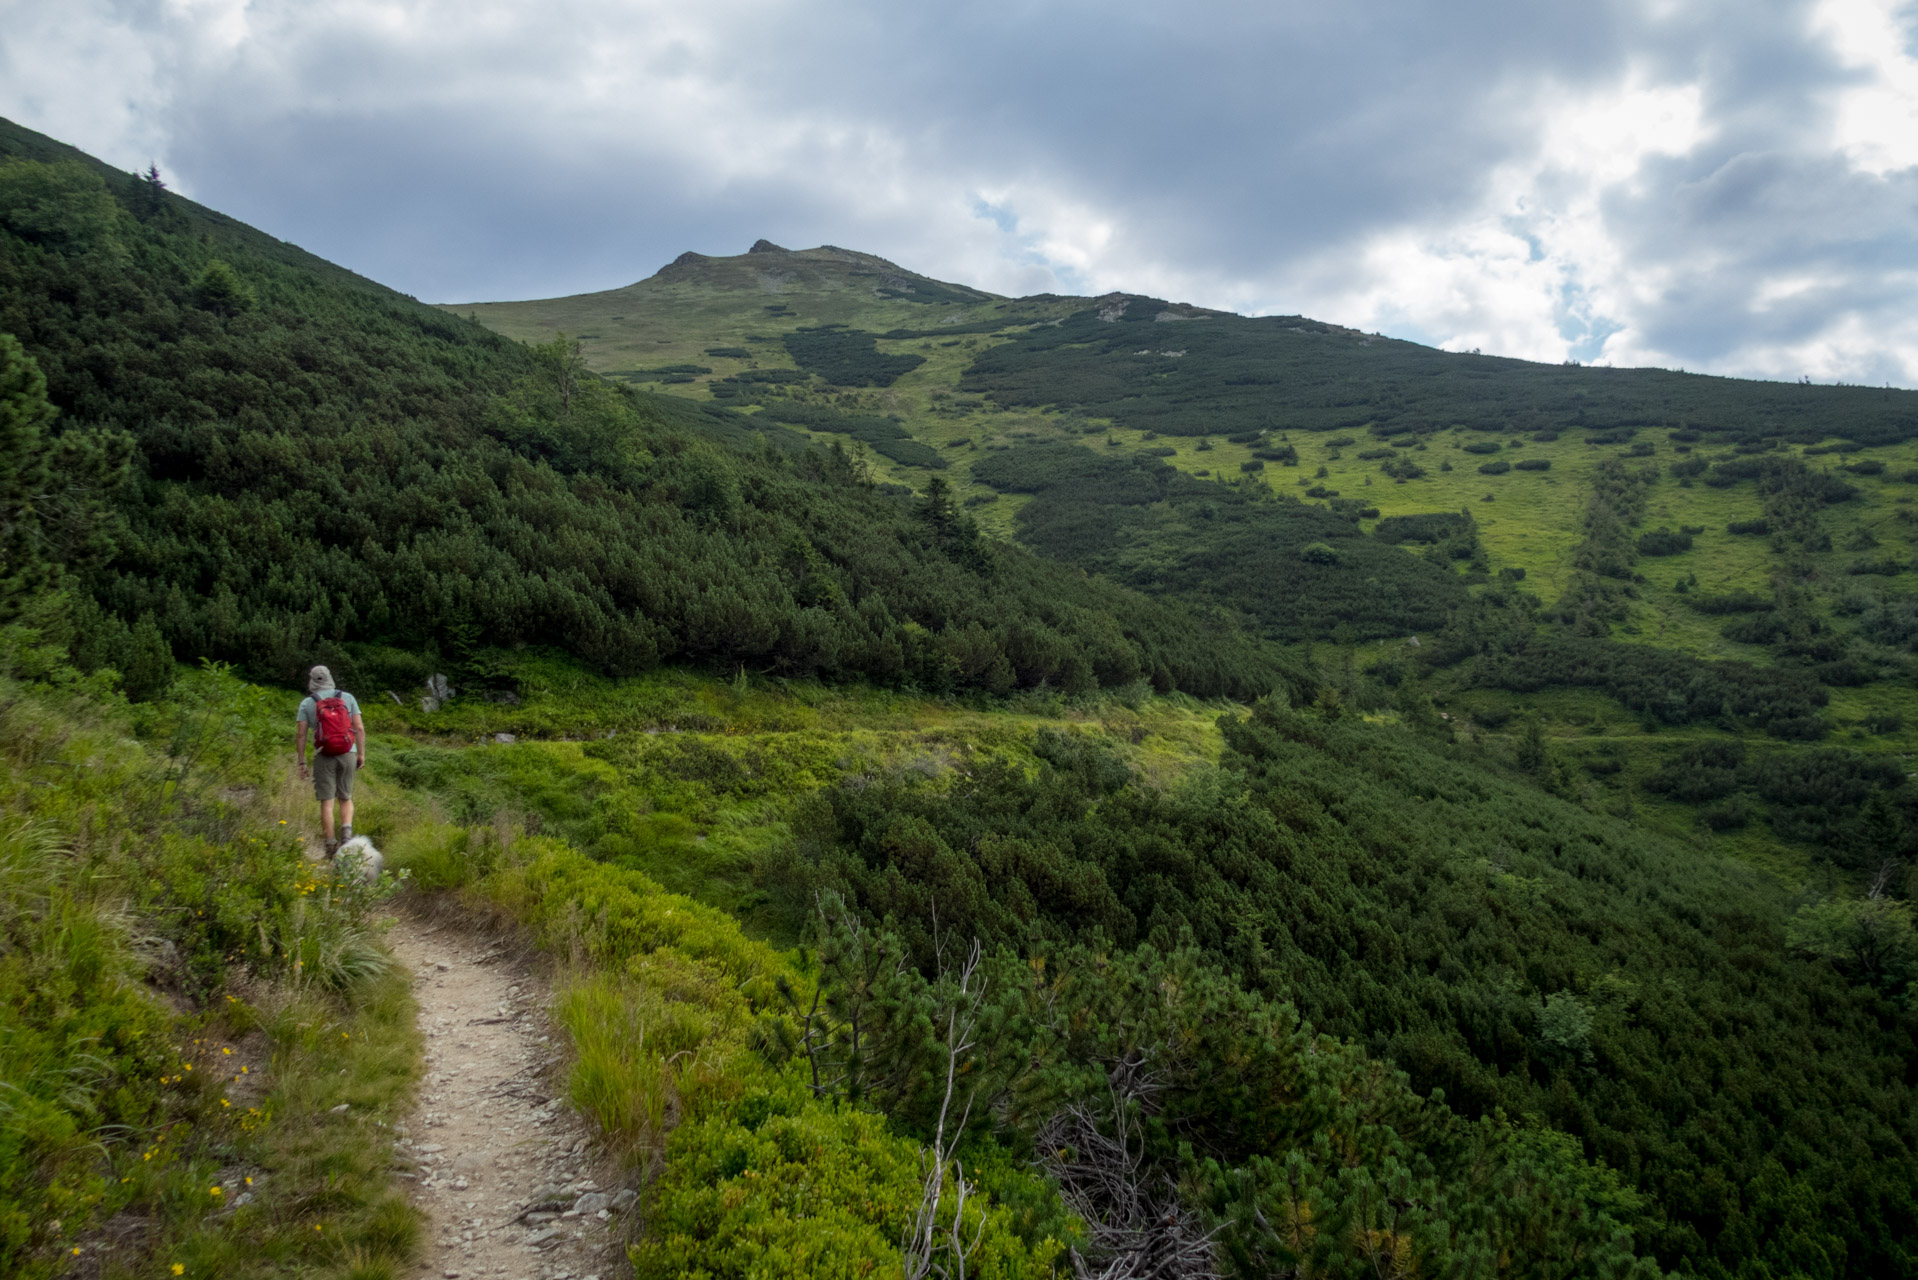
x=317, y=679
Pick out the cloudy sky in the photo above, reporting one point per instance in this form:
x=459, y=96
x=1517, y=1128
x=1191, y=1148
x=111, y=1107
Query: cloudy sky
x=1720, y=185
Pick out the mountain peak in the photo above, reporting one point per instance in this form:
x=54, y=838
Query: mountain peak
x=765, y=246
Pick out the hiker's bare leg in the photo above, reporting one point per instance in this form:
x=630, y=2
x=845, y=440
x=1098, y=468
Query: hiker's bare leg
x=326, y=818
x=346, y=813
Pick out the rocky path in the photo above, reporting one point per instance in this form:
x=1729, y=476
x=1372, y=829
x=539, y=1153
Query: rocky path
x=499, y=1163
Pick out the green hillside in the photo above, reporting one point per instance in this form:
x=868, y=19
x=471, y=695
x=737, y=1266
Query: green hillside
x=1753, y=571
x=947, y=818
x=323, y=468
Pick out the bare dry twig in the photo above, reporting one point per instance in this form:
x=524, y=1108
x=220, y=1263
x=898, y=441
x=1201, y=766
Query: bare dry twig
x=925, y=1242
x=1136, y=1226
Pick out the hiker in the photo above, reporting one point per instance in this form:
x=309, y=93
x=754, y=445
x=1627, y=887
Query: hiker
x=339, y=751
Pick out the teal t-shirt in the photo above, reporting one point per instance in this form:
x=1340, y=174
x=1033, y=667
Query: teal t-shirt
x=309, y=714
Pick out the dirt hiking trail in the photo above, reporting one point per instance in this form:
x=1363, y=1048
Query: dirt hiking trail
x=498, y=1162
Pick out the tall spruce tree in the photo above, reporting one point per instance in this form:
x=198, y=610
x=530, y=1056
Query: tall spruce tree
x=150, y=195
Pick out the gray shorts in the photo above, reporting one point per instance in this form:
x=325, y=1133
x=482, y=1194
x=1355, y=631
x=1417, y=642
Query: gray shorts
x=333, y=776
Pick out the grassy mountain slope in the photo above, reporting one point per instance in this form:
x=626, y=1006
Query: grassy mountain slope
x=1256, y=465
x=1182, y=372
x=749, y=303
x=1240, y=402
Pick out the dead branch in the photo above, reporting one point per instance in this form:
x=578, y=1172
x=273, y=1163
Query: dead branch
x=925, y=1243
x=1136, y=1227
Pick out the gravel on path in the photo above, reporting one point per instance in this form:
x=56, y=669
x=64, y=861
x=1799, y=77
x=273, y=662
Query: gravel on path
x=500, y=1164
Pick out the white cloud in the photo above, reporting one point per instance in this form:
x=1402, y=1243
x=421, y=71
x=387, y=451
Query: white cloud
x=1876, y=119
x=83, y=69
x=1639, y=180
x=1531, y=270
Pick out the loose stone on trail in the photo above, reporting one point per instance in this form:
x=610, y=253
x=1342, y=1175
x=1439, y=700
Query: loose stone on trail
x=508, y=1158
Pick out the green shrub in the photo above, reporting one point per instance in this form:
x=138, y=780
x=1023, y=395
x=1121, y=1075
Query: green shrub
x=1121, y=516
x=612, y=916
x=847, y=357
x=139, y=654
x=776, y=1183
x=81, y=1041
x=1432, y=528
x=1663, y=542
x=59, y=206
x=221, y=290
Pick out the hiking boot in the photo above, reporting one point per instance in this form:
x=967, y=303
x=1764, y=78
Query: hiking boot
x=346, y=833
x=332, y=847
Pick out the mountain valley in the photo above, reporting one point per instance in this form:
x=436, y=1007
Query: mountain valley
x=980, y=785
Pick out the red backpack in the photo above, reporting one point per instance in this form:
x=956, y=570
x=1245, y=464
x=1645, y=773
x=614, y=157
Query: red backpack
x=335, y=735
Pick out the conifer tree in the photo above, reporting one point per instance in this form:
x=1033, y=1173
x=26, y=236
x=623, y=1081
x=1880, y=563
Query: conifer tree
x=221, y=291
x=25, y=419
x=150, y=196
x=938, y=509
